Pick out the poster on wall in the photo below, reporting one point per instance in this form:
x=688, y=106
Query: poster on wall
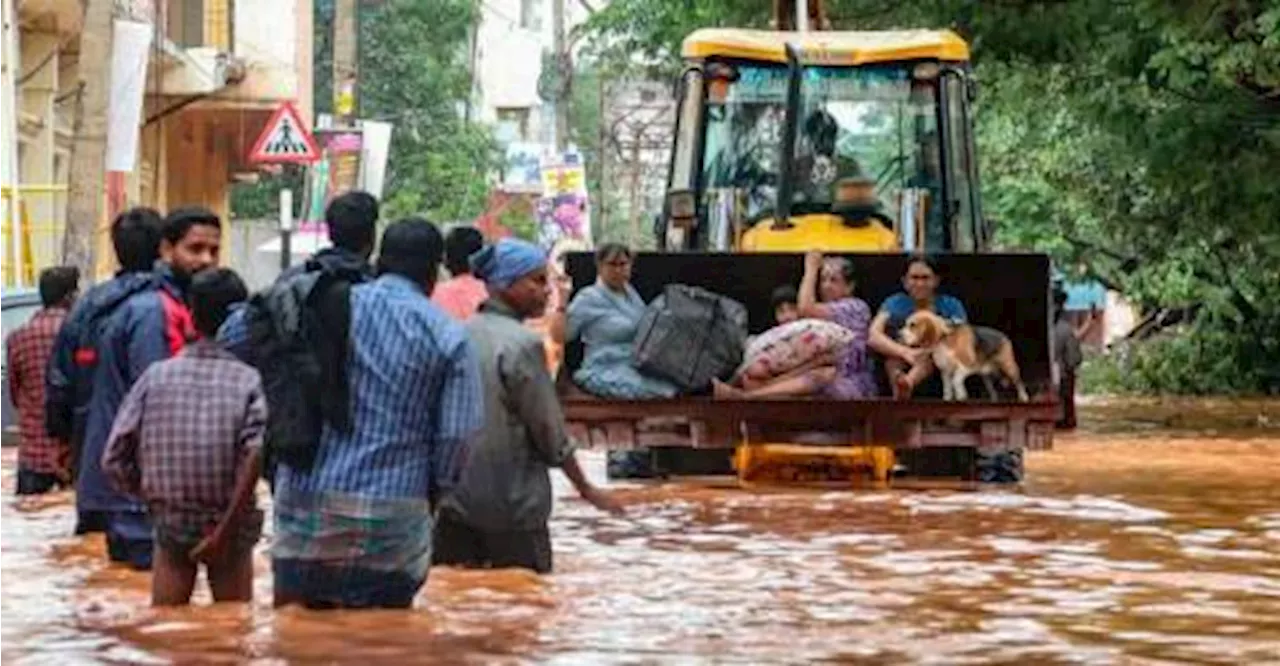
x=337, y=171
x=522, y=170
x=563, y=213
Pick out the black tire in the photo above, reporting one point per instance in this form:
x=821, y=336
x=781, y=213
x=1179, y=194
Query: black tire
x=631, y=464
x=999, y=466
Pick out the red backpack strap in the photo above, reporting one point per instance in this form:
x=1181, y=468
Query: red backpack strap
x=179, y=327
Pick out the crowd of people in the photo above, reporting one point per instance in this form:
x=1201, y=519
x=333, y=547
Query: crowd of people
x=394, y=432
x=398, y=422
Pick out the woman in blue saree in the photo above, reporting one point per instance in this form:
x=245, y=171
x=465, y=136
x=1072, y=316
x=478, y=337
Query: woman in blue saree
x=605, y=317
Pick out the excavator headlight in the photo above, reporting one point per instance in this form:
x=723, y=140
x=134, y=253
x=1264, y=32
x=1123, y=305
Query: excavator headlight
x=926, y=71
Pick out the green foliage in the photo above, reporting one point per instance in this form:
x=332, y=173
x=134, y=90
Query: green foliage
x=1199, y=359
x=519, y=218
x=413, y=73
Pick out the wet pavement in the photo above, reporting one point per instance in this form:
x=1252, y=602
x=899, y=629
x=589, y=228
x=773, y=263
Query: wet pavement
x=1138, y=540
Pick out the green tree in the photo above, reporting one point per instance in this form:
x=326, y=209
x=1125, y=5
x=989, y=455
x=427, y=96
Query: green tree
x=414, y=73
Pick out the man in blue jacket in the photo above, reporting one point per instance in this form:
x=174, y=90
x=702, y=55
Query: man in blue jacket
x=149, y=326
x=135, y=237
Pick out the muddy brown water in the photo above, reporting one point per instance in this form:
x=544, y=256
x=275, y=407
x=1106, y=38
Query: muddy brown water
x=1137, y=540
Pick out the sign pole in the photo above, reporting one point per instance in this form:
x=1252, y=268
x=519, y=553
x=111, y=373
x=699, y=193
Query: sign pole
x=286, y=228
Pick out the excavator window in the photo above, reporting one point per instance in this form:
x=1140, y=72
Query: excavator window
x=875, y=122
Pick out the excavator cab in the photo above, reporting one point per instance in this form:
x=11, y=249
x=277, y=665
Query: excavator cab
x=841, y=141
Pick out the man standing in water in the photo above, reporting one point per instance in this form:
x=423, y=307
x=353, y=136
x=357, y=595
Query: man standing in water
x=186, y=441
x=149, y=326
x=135, y=237
x=353, y=521
x=296, y=332
x=496, y=517
x=42, y=459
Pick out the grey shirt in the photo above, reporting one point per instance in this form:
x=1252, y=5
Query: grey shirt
x=1066, y=347
x=505, y=483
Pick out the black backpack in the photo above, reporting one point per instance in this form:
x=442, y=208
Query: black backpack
x=298, y=330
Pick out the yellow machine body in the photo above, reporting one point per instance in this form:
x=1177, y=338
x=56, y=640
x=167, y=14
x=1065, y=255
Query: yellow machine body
x=779, y=463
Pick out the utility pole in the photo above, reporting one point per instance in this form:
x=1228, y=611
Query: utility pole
x=564, y=74
x=89, y=142
x=346, y=36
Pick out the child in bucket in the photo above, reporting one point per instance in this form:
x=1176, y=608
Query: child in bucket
x=186, y=440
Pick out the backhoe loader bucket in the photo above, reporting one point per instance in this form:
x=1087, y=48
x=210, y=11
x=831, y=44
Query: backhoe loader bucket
x=1008, y=292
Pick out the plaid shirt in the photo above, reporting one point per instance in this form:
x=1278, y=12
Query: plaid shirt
x=29, y=348
x=184, y=429
x=416, y=401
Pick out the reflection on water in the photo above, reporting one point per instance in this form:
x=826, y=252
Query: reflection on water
x=1120, y=549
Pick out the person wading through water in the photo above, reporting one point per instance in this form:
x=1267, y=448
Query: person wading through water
x=296, y=333
x=496, y=517
x=353, y=516
x=186, y=441
x=462, y=294
x=150, y=326
x=42, y=459
x=69, y=379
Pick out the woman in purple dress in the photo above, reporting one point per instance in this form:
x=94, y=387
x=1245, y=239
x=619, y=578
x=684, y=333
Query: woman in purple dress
x=826, y=292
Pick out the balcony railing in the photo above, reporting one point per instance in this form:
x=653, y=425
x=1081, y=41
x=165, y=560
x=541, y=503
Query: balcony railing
x=200, y=23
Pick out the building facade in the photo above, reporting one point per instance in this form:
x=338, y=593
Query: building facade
x=511, y=41
x=214, y=72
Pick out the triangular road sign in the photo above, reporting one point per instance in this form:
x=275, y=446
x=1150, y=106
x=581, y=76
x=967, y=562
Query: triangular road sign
x=285, y=139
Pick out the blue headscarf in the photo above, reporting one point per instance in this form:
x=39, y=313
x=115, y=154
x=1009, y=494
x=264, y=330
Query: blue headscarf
x=506, y=261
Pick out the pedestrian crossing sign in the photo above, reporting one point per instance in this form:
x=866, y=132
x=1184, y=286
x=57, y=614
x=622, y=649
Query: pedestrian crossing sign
x=285, y=139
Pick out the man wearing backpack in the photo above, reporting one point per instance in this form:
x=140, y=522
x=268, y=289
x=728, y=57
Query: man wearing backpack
x=296, y=332
x=149, y=326
x=135, y=237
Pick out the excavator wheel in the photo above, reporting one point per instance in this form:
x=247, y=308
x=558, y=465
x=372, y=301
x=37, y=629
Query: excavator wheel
x=999, y=466
x=631, y=464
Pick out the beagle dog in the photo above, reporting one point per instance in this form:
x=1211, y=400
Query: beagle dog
x=960, y=351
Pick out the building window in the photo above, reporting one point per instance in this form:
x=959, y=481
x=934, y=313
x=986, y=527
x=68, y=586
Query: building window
x=531, y=15
x=513, y=124
x=184, y=22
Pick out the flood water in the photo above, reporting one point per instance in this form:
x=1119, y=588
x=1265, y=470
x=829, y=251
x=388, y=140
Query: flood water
x=1136, y=541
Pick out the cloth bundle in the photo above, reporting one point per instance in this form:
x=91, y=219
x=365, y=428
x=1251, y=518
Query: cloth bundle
x=784, y=348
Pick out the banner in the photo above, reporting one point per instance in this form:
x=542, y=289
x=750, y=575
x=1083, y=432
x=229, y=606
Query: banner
x=563, y=214
x=337, y=171
x=375, y=148
x=523, y=169
x=131, y=42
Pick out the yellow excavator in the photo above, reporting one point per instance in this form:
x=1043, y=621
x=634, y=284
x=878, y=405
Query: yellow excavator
x=854, y=143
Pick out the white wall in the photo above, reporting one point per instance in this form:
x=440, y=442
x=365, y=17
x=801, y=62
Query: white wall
x=508, y=58
x=1120, y=318
x=266, y=38
x=512, y=37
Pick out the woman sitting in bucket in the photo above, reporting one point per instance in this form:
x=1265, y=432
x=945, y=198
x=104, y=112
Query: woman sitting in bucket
x=842, y=371
x=606, y=317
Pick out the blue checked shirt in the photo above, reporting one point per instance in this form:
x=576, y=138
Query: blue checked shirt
x=416, y=401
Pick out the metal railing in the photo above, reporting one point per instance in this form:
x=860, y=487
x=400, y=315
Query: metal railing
x=37, y=243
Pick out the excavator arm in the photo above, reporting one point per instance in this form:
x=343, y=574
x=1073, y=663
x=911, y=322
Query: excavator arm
x=784, y=15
